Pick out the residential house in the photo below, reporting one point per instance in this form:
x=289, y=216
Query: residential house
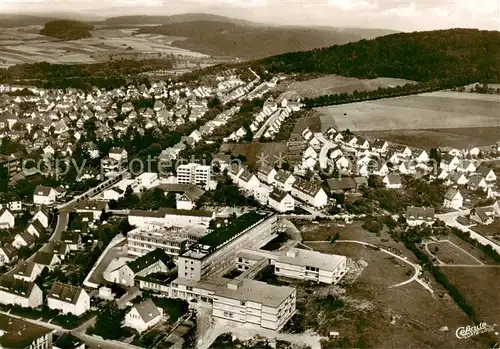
x=247, y=180
x=23, y=239
x=310, y=192
x=281, y=201
x=17, y=333
x=483, y=215
x=8, y=254
x=477, y=182
x=27, y=271
x=44, y=195
x=283, y=180
x=46, y=259
x=7, y=219
x=420, y=215
x=453, y=199
x=143, y=316
x=18, y=292
x=392, y=181
x=341, y=185
x=456, y=178
x=266, y=174
x=35, y=228
x=488, y=174
x=72, y=239
x=467, y=166
x=118, y=154
x=68, y=299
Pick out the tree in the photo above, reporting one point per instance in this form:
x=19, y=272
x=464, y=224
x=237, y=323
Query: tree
x=108, y=324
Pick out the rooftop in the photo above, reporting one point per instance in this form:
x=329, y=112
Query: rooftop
x=314, y=259
x=19, y=334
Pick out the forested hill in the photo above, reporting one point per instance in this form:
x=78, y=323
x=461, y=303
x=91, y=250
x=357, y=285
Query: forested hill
x=420, y=56
x=67, y=30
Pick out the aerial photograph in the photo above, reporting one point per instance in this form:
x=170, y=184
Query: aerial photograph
x=249, y=174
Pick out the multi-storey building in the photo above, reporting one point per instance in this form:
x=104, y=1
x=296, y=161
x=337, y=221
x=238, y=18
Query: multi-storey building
x=194, y=174
x=16, y=333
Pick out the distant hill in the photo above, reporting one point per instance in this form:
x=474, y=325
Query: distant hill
x=8, y=20
x=67, y=30
x=185, y=17
x=466, y=54
x=249, y=41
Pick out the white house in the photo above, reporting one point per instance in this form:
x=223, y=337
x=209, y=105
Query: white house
x=8, y=254
x=7, y=219
x=68, y=299
x=18, y=292
x=467, y=166
x=392, y=181
x=46, y=259
x=284, y=180
x=266, y=174
x=310, y=192
x=118, y=154
x=488, y=174
x=453, y=199
x=35, y=228
x=146, y=180
x=23, y=239
x=247, y=180
x=281, y=201
x=143, y=316
x=420, y=215
x=423, y=157
x=42, y=216
x=44, y=195
x=27, y=271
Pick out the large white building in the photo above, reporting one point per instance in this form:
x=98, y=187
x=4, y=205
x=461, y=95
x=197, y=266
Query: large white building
x=194, y=174
x=216, y=250
x=311, y=265
x=68, y=299
x=18, y=292
x=44, y=195
x=170, y=217
x=241, y=300
x=309, y=192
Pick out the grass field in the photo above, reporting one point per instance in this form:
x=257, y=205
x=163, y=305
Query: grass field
x=437, y=110
x=271, y=151
x=480, y=287
x=332, y=84
x=381, y=317
x=449, y=253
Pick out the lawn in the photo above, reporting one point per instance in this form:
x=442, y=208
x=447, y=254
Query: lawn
x=428, y=111
x=373, y=315
x=448, y=253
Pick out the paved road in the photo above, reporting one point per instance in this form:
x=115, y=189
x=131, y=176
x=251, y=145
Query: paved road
x=451, y=220
x=327, y=145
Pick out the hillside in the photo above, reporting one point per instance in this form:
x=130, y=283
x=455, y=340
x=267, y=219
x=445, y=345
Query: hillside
x=467, y=54
x=249, y=42
x=181, y=18
x=67, y=30
x=9, y=20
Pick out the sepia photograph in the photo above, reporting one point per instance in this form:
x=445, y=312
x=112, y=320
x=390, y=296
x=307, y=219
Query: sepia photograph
x=249, y=174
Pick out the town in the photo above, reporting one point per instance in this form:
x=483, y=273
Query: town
x=155, y=216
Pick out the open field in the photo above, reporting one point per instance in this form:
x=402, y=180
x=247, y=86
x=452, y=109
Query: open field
x=271, y=152
x=484, y=258
x=480, y=287
x=436, y=110
x=17, y=47
x=448, y=253
x=332, y=84
x=445, y=137
x=373, y=315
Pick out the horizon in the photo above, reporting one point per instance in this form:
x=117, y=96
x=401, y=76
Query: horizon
x=399, y=15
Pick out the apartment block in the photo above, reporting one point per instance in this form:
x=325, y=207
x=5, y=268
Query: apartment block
x=194, y=174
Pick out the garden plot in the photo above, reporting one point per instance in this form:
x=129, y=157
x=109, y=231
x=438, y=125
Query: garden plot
x=449, y=253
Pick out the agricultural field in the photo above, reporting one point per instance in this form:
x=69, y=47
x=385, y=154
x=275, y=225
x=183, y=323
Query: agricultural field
x=17, y=47
x=436, y=110
x=255, y=152
x=369, y=313
x=332, y=84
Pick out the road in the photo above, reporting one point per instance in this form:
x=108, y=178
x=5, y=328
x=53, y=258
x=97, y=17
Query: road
x=451, y=220
x=323, y=153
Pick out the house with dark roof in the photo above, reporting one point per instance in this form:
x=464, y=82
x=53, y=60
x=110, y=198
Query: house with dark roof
x=68, y=299
x=420, y=215
x=14, y=291
x=46, y=259
x=309, y=192
x=487, y=173
x=266, y=174
x=27, y=271
x=93, y=206
x=7, y=219
x=483, y=215
x=23, y=239
x=8, y=254
x=392, y=181
x=341, y=185
x=284, y=180
x=281, y=201
x=72, y=239
x=44, y=195
x=35, y=228
x=20, y=334
x=143, y=316
x=43, y=215
x=453, y=199
x=156, y=261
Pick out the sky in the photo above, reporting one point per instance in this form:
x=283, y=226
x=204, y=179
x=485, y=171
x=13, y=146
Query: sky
x=404, y=15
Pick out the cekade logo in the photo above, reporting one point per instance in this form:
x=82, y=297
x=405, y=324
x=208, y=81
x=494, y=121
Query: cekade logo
x=471, y=331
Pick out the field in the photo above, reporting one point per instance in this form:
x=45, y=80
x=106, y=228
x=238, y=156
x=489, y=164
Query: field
x=445, y=137
x=332, y=84
x=371, y=314
x=437, y=110
x=17, y=47
x=257, y=152
x=480, y=287
x=448, y=253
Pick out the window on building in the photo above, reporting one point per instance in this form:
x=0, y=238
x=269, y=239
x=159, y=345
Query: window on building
x=242, y=303
x=277, y=269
